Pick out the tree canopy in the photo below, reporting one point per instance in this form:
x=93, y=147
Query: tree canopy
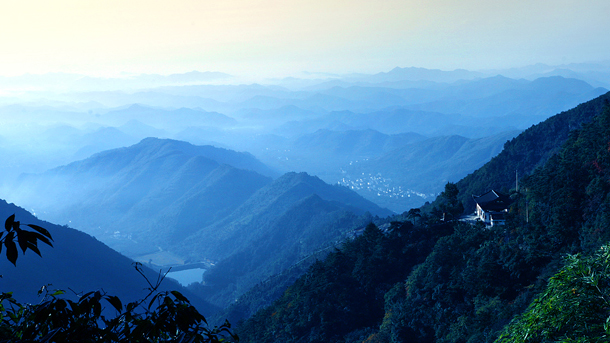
x=573, y=307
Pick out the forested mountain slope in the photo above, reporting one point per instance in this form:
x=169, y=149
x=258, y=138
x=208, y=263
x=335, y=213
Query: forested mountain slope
x=529, y=150
x=284, y=222
x=452, y=281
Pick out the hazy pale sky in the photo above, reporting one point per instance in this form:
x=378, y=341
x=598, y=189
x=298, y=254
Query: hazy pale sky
x=275, y=37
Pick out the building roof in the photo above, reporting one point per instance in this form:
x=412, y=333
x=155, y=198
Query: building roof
x=493, y=201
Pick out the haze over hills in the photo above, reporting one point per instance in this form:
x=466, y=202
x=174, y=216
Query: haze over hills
x=165, y=199
x=167, y=202
x=531, y=149
x=398, y=171
x=143, y=187
x=264, y=118
x=171, y=120
x=415, y=173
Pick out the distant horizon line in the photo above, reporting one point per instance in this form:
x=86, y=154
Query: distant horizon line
x=126, y=75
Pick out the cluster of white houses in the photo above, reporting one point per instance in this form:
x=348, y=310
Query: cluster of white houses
x=491, y=207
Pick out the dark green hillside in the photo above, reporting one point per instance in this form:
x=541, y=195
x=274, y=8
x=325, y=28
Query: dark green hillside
x=342, y=296
x=572, y=308
x=475, y=281
x=461, y=282
x=529, y=150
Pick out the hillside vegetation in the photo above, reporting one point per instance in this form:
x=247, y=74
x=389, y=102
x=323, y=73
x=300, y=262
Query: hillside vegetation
x=458, y=282
x=531, y=149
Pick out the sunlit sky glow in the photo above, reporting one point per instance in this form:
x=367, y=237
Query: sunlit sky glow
x=282, y=37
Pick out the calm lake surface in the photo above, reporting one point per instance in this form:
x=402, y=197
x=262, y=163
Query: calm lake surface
x=186, y=277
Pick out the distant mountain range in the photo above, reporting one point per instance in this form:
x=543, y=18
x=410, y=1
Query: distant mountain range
x=167, y=202
x=283, y=126
x=466, y=108
x=168, y=119
x=593, y=73
x=399, y=171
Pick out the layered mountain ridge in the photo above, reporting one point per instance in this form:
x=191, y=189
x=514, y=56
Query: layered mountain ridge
x=163, y=199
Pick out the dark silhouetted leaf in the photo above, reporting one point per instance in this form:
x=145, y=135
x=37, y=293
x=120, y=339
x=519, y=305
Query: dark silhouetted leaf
x=41, y=230
x=153, y=300
x=115, y=302
x=32, y=246
x=179, y=296
x=41, y=238
x=23, y=238
x=11, y=251
x=8, y=224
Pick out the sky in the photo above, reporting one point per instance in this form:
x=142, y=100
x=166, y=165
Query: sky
x=273, y=38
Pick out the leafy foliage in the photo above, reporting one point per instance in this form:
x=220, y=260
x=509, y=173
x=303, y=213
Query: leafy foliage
x=161, y=316
x=573, y=308
x=165, y=317
x=27, y=240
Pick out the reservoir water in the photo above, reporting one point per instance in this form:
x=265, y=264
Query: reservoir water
x=188, y=276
